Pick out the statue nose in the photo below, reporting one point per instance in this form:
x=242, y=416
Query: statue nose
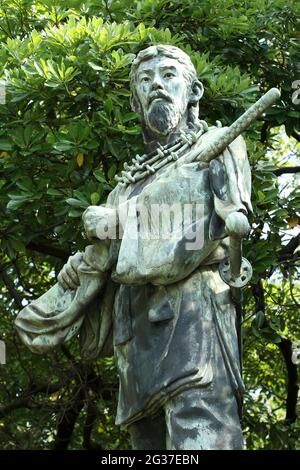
x=156, y=84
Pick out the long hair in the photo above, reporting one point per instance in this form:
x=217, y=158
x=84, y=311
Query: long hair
x=189, y=74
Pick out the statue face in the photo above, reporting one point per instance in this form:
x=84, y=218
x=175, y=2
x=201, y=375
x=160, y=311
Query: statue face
x=163, y=94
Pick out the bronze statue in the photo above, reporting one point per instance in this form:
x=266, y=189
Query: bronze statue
x=153, y=275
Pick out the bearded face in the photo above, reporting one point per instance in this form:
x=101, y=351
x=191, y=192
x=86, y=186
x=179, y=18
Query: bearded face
x=162, y=116
x=163, y=94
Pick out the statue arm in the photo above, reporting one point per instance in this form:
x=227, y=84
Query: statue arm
x=230, y=178
x=100, y=225
x=60, y=313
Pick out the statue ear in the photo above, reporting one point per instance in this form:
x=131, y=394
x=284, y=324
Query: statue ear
x=196, y=92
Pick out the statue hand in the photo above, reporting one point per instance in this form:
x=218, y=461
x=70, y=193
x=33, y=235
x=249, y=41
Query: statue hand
x=68, y=277
x=237, y=225
x=100, y=222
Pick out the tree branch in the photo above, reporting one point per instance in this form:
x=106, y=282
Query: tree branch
x=285, y=347
x=15, y=294
x=259, y=296
x=91, y=417
x=289, y=248
x=296, y=136
x=25, y=400
x=264, y=132
x=286, y=169
x=68, y=419
x=49, y=249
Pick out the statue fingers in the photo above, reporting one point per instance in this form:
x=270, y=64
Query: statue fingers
x=61, y=281
x=76, y=259
x=89, y=214
x=89, y=230
x=67, y=280
x=87, y=227
x=71, y=273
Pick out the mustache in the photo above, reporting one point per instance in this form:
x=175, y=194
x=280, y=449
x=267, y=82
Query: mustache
x=159, y=94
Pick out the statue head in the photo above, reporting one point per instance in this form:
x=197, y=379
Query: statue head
x=165, y=90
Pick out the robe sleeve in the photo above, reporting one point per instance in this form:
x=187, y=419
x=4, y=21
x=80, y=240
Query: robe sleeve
x=59, y=314
x=230, y=179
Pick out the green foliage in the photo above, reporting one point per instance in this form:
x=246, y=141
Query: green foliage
x=65, y=131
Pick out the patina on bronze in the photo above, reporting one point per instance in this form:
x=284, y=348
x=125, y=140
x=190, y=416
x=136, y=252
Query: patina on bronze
x=161, y=292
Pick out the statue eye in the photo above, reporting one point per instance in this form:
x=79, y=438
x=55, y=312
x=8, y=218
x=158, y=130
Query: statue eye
x=145, y=79
x=169, y=75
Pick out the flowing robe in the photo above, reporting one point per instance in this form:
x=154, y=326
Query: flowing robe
x=170, y=306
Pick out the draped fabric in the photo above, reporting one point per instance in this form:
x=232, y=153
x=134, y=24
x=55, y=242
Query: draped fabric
x=58, y=315
x=160, y=355
x=210, y=191
x=163, y=295
x=172, y=306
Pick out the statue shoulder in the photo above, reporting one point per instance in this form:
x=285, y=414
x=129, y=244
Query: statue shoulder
x=238, y=147
x=117, y=195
